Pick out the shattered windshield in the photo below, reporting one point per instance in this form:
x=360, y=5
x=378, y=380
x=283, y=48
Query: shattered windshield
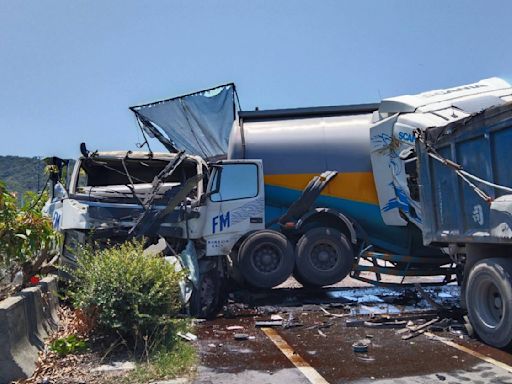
x=110, y=178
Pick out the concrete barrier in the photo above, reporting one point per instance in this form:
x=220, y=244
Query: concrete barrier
x=26, y=319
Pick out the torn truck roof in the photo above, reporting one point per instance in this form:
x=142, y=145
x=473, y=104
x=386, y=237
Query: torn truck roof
x=442, y=98
x=198, y=123
x=134, y=155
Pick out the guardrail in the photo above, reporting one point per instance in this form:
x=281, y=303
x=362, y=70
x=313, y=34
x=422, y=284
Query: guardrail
x=26, y=319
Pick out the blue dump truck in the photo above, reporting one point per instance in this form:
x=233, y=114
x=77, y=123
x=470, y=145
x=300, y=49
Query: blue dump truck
x=464, y=182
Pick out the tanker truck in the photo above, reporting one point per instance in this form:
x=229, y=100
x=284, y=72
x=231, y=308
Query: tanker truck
x=345, y=216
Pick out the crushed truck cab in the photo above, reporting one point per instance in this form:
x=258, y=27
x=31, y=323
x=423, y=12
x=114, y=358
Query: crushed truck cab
x=393, y=139
x=114, y=196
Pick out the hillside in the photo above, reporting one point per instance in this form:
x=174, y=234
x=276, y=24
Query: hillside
x=22, y=173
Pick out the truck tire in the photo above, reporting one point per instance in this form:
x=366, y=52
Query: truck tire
x=489, y=301
x=323, y=257
x=208, y=299
x=266, y=259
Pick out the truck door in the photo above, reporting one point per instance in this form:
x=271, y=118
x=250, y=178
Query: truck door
x=236, y=204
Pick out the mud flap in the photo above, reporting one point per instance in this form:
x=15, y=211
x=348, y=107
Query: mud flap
x=314, y=188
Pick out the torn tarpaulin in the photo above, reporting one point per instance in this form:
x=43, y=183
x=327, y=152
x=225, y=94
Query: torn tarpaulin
x=198, y=123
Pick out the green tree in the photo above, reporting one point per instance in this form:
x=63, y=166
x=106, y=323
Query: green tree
x=27, y=238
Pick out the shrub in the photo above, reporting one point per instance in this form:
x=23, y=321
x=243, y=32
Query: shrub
x=127, y=292
x=71, y=344
x=26, y=236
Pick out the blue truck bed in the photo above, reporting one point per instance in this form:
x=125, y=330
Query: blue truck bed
x=453, y=210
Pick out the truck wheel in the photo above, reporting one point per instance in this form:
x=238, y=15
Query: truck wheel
x=207, y=300
x=323, y=257
x=489, y=301
x=266, y=259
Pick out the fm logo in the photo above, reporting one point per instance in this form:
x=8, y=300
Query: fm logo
x=404, y=136
x=56, y=220
x=221, y=221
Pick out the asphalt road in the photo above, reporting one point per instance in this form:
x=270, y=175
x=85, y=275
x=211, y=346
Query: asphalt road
x=319, y=349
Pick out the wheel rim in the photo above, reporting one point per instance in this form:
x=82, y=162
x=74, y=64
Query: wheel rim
x=324, y=256
x=489, y=302
x=266, y=258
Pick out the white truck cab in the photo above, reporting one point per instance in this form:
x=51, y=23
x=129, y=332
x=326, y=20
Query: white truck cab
x=235, y=206
x=114, y=196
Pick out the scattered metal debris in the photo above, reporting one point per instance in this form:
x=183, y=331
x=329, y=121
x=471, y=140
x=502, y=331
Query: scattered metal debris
x=427, y=297
x=268, y=323
x=322, y=325
x=418, y=330
x=385, y=323
x=327, y=313
x=292, y=321
x=397, y=321
x=354, y=323
x=187, y=336
x=441, y=325
x=234, y=327
x=241, y=336
x=361, y=346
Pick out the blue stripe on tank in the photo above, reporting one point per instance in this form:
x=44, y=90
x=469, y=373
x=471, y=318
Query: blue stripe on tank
x=391, y=238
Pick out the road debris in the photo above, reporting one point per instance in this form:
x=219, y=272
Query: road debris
x=268, y=323
x=469, y=328
x=354, y=323
x=361, y=346
x=322, y=325
x=457, y=329
x=327, y=313
x=115, y=366
x=420, y=329
x=293, y=321
x=241, y=336
x=187, y=336
x=322, y=336
x=234, y=327
x=441, y=325
x=385, y=323
x=427, y=297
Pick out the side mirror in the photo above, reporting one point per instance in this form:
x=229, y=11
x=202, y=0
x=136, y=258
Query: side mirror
x=55, y=166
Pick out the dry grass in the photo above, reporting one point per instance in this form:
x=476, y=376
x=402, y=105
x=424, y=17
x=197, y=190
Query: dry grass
x=177, y=360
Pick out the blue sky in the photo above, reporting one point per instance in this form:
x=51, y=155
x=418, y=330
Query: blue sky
x=69, y=70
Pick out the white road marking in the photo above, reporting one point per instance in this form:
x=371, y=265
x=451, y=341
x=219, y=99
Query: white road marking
x=307, y=370
x=470, y=351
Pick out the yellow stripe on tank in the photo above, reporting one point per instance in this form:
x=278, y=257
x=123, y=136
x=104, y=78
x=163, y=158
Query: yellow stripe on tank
x=354, y=186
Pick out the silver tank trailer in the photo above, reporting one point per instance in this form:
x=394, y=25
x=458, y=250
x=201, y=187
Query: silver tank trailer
x=297, y=144
x=304, y=143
